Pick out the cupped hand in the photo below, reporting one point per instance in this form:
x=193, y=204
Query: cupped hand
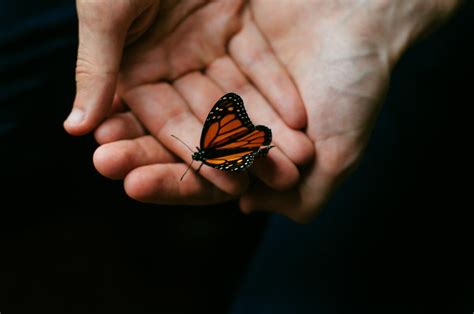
x=170, y=78
x=339, y=55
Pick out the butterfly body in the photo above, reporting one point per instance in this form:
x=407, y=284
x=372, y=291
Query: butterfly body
x=229, y=140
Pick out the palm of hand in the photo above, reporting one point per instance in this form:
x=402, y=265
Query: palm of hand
x=189, y=49
x=341, y=78
x=215, y=49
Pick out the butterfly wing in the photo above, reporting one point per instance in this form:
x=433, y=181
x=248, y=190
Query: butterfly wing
x=229, y=139
x=237, y=161
x=232, y=162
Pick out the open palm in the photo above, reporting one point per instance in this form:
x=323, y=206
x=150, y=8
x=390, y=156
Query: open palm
x=169, y=80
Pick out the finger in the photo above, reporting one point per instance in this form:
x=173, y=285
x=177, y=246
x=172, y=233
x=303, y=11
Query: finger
x=254, y=56
x=201, y=93
x=117, y=105
x=115, y=160
x=301, y=204
x=293, y=143
x=263, y=198
x=160, y=184
x=120, y=126
x=276, y=170
x=164, y=113
x=102, y=32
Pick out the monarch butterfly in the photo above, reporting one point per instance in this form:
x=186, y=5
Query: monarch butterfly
x=229, y=140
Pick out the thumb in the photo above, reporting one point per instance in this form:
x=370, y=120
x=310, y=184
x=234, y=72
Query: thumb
x=102, y=32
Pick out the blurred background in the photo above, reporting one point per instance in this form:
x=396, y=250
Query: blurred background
x=396, y=237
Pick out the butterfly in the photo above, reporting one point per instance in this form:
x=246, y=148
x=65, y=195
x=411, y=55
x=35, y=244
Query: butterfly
x=229, y=140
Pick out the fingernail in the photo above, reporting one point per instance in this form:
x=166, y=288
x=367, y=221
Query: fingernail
x=75, y=117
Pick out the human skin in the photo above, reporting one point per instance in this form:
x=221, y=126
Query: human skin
x=314, y=71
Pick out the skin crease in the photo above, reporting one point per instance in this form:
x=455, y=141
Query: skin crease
x=314, y=71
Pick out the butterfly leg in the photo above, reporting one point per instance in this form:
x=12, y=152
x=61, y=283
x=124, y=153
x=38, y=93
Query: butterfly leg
x=197, y=171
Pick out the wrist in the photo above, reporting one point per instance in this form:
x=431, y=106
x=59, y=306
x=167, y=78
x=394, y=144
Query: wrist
x=415, y=20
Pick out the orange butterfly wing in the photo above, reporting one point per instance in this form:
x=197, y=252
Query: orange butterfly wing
x=229, y=140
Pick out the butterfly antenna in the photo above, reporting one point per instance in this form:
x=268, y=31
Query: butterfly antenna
x=189, y=167
x=182, y=143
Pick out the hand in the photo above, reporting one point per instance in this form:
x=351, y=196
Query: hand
x=339, y=55
x=105, y=28
x=201, y=55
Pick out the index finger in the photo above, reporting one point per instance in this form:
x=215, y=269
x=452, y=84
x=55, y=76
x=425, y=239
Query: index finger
x=258, y=62
x=164, y=113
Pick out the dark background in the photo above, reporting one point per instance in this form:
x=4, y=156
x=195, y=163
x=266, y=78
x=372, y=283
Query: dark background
x=396, y=238
x=70, y=240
